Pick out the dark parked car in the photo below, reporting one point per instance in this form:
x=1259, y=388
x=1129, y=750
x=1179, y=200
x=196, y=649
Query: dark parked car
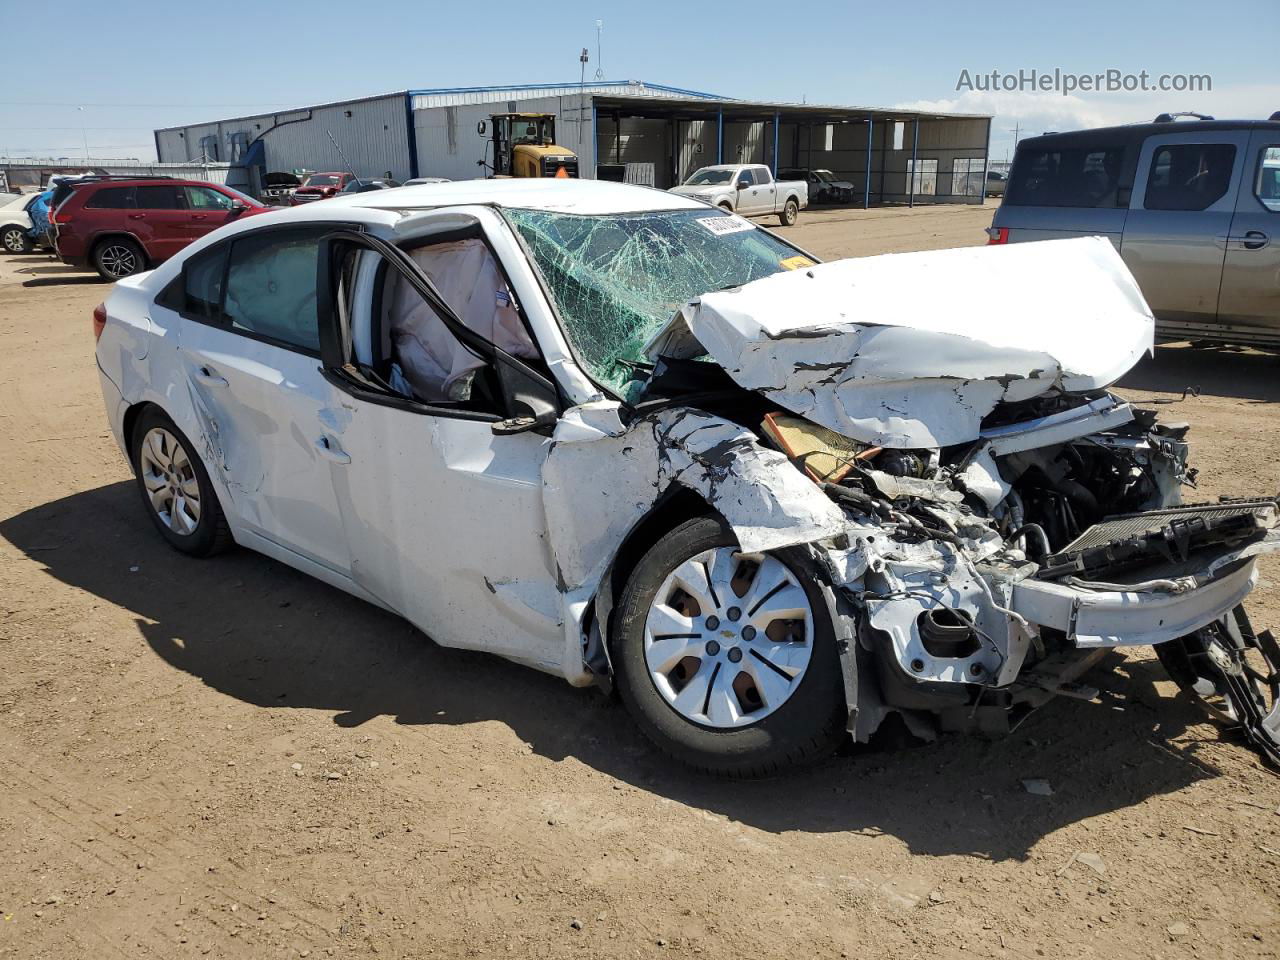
x=824, y=186
x=121, y=227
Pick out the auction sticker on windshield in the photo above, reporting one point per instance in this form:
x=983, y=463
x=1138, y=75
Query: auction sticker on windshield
x=724, y=225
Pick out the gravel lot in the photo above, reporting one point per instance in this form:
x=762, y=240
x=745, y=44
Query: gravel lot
x=225, y=758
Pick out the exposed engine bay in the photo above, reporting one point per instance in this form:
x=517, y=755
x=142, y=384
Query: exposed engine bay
x=1004, y=518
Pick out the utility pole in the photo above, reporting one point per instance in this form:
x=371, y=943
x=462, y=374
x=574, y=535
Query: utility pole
x=83, y=135
x=582, y=92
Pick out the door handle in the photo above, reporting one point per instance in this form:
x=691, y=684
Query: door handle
x=199, y=216
x=1254, y=240
x=210, y=379
x=330, y=451
x=137, y=216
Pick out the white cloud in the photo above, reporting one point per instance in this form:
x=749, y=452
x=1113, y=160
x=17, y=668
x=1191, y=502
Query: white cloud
x=1036, y=113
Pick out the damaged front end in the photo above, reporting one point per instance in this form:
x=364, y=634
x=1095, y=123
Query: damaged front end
x=988, y=516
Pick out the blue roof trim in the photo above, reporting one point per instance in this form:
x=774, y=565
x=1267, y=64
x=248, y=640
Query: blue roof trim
x=552, y=86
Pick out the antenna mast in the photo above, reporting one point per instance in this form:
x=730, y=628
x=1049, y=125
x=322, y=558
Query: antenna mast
x=599, y=59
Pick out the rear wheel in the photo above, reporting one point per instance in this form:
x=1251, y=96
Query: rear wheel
x=175, y=488
x=117, y=258
x=727, y=660
x=790, y=213
x=14, y=239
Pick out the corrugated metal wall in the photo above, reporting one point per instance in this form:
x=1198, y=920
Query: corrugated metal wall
x=374, y=138
x=449, y=144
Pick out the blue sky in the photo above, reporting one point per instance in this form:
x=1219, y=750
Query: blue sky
x=138, y=68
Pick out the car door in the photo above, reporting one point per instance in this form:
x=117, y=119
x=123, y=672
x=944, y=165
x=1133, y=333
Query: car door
x=441, y=500
x=748, y=202
x=161, y=210
x=207, y=210
x=1250, y=294
x=1179, y=216
x=249, y=344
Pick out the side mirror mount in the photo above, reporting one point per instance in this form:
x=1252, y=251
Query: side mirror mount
x=742, y=184
x=530, y=400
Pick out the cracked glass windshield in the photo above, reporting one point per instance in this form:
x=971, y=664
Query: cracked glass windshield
x=617, y=279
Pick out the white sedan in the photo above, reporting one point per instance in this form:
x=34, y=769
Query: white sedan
x=625, y=439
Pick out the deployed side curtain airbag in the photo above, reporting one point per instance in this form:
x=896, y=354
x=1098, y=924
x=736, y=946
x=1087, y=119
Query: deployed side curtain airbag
x=434, y=363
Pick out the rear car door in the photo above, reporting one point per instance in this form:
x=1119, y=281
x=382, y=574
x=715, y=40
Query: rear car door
x=1175, y=235
x=441, y=504
x=207, y=210
x=161, y=210
x=249, y=344
x=1250, y=294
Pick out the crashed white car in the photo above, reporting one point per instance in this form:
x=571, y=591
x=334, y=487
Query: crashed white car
x=625, y=439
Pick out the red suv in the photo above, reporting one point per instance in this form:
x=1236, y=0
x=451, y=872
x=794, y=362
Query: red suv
x=122, y=227
x=319, y=186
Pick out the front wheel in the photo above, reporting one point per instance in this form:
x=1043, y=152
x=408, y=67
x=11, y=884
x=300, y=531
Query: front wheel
x=790, y=213
x=727, y=660
x=14, y=239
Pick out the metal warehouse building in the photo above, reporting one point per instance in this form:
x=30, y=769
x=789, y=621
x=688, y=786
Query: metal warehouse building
x=632, y=130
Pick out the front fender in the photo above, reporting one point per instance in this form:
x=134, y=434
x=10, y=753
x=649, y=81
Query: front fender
x=602, y=478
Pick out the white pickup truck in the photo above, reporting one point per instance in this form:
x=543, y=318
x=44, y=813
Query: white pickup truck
x=747, y=189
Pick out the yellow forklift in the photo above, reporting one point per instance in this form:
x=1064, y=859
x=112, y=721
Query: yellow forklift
x=524, y=145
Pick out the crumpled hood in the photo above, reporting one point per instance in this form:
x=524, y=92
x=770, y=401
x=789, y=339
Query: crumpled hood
x=914, y=349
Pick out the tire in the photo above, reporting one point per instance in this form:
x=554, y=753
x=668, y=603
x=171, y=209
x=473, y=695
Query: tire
x=790, y=213
x=805, y=724
x=168, y=470
x=118, y=257
x=14, y=239
x=726, y=208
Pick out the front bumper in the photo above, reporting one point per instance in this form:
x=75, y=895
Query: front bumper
x=1114, y=618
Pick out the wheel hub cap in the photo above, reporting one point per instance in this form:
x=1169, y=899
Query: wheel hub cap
x=170, y=481
x=728, y=637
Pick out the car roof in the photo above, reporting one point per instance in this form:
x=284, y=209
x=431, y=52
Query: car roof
x=555, y=194
x=1134, y=132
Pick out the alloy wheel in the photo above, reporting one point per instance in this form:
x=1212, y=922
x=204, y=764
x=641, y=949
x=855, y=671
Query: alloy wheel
x=13, y=241
x=170, y=481
x=119, y=261
x=728, y=637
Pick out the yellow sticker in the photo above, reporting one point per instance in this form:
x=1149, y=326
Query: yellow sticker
x=795, y=263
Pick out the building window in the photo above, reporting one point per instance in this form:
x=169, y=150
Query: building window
x=966, y=176
x=899, y=133
x=922, y=177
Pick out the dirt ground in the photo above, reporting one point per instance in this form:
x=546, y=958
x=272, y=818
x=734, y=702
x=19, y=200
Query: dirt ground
x=225, y=758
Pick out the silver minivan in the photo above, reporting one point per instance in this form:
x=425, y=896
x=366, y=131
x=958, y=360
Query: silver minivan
x=1193, y=207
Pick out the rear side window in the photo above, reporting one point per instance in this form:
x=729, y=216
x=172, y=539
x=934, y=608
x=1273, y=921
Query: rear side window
x=1066, y=177
x=271, y=286
x=158, y=198
x=1267, y=186
x=1189, y=176
x=111, y=198
x=202, y=278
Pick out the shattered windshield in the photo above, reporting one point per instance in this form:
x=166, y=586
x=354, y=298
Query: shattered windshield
x=617, y=279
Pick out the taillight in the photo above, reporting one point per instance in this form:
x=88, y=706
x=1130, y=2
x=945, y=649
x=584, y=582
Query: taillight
x=997, y=235
x=99, y=320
